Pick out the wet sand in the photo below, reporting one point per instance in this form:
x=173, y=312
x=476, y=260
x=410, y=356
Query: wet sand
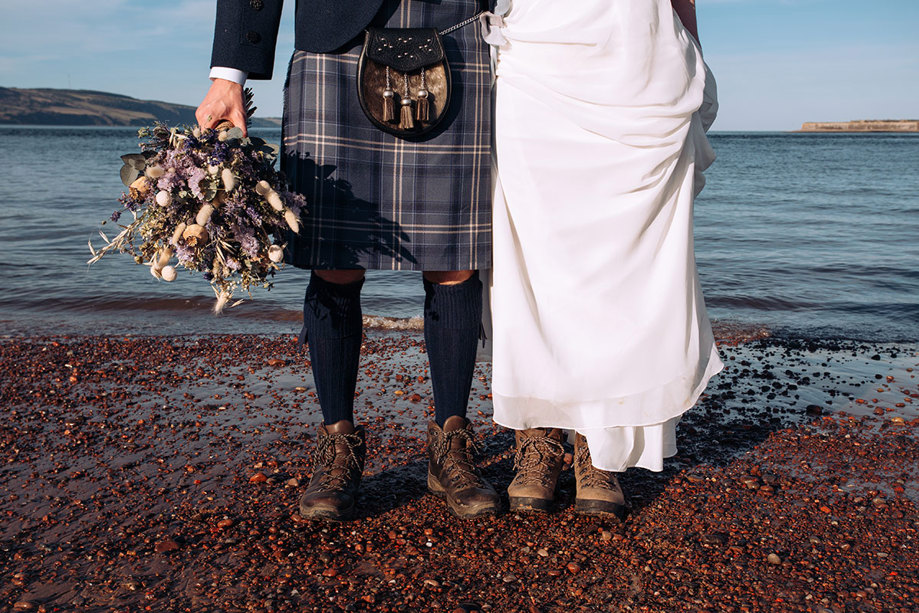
x=162, y=474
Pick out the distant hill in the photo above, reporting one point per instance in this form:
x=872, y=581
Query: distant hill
x=77, y=107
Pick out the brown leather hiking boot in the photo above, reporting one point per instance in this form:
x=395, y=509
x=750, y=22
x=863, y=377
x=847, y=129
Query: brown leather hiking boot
x=538, y=462
x=598, y=490
x=338, y=463
x=453, y=475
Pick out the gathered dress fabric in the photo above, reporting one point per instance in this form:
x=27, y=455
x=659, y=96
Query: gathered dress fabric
x=599, y=320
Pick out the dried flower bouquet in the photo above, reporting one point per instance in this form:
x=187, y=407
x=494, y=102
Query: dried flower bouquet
x=212, y=200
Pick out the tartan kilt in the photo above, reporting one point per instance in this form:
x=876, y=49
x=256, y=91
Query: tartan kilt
x=378, y=201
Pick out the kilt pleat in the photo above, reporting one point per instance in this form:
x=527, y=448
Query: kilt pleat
x=376, y=200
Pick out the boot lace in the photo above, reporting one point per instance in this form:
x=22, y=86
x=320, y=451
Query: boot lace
x=534, y=456
x=327, y=452
x=590, y=475
x=458, y=463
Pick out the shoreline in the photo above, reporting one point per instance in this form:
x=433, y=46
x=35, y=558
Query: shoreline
x=163, y=472
x=192, y=316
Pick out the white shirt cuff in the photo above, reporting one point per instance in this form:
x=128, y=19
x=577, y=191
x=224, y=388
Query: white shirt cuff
x=230, y=74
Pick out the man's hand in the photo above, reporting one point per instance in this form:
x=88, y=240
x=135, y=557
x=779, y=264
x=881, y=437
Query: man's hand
x=224, y=100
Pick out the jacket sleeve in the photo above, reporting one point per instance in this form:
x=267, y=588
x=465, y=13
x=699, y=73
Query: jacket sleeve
x=245, y=36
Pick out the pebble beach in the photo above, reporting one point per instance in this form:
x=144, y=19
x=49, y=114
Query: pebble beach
x=162, y=473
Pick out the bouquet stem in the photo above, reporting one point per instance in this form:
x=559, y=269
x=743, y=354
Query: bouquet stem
x=223, y=297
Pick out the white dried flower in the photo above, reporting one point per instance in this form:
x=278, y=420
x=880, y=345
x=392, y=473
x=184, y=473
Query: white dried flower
x=262, y=188
x=274, y=199
x=178, y=232
x=229, y=181
x=163, y=198
x=212, y=170
x=168, y=273
x=292, y=221
x=275, y=253
x=222, y=135
x=196, y=131
x=155, y=172
x=163, y=258
x=155, y=271
x=204, y=214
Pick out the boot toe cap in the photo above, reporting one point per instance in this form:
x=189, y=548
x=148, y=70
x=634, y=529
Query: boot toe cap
x=327, y=506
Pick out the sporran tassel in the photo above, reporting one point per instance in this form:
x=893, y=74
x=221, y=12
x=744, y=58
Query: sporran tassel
x=389, y=102
x=405, y=118
x=389, y=106
x=422, y=112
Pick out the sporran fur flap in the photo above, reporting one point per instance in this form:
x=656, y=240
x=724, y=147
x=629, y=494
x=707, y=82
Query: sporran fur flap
x=404, y=67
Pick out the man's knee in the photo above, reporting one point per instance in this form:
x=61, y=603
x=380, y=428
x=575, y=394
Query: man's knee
x=448, y=277
x=340, y=277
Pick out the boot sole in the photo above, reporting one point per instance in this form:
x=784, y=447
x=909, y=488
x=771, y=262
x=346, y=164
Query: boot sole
x=456, y=510
x=328, y=514
x=600, y=508
x=529, y=505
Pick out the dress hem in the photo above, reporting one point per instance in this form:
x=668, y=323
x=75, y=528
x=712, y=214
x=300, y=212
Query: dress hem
x=614, y=406
x=629, y=440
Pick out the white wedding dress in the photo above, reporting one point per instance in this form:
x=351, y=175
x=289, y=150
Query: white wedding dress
x=599, y=321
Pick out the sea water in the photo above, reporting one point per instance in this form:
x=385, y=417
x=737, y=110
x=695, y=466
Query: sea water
x=813, y=235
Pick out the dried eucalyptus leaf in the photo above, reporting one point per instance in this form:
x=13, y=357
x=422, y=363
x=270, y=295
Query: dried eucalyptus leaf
x=135, y=160
x=128, y=174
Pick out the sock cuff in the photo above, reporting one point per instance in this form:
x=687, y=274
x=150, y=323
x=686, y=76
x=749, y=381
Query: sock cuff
x=335, y=290
x=441, y=288
x=331, y=310
x=454, y=306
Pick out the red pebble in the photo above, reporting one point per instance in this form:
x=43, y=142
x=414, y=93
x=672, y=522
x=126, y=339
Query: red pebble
x=165, y=546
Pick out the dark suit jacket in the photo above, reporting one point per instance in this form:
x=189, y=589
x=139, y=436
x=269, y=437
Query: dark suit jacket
x=247, y=30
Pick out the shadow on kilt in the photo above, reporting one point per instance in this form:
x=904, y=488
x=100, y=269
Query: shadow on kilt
x=359, y=229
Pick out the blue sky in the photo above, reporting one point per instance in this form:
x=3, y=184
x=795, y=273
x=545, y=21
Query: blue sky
x=778, y=62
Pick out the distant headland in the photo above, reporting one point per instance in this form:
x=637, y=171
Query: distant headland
x=862, y=125
x=77, y=107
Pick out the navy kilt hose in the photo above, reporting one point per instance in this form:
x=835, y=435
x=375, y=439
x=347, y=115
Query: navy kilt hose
x=376, y=200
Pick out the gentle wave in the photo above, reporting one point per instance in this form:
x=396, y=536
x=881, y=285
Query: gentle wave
x=379, y=322
x=759, y=303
